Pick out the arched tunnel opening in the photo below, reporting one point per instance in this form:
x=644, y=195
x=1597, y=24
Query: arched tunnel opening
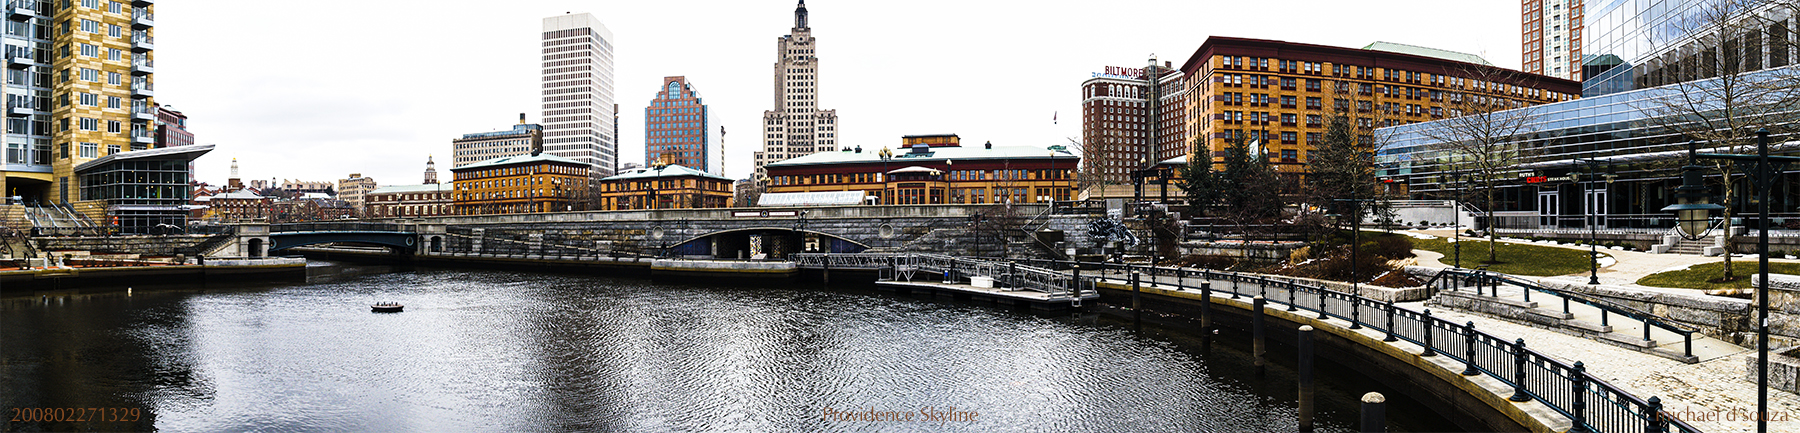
x=763, y=243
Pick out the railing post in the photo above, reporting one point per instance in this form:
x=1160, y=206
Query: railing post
x=1578, y=406
x=1390, y=323
x=1646, y=327
x=1565, y=304
x=1522, y=289
x=1290, y=290
x=1519, y=393
x=1687, y=344
x=1355, y=312
x=1429, y=324
x=1322, y=314
x=1654, y=422
x=1603, y=317
x=1012, y=274
x=1262, y=290
x=1469, y=350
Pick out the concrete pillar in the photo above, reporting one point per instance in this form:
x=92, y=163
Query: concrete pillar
x=1374, y=413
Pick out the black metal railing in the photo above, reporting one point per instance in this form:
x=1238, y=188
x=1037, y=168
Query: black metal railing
x=336, y=227
x=1587, y=401
x=1487, y=283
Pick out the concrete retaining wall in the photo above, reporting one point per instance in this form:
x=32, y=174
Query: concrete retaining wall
x=1716, y=316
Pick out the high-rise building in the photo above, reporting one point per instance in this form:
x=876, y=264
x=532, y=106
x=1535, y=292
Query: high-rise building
x=522, y=139
x=1551, y=37
x=1280, y=94
x=578, y=92
x=796, y=127
x=78, y=88
x=675, y=127
x=1116, y=109
x=352, y=189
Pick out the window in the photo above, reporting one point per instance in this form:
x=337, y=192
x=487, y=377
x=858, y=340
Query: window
x=90, y=150
x=112, y=102
x=1312, y=102
x=90, y=26
x=113, y=78
x=90, y=4
x=114, y=126
x=114, y=30
x=90, y=50
x=112, y=149
x=114, y=54
x=1312, y=120
x=90, y=75
x=90, y=99
x=90, y=124
x=1289, y=155
x=1312, y=85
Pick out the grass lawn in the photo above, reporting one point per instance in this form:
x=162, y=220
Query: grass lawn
x=1516, y=259
x=1700, y=276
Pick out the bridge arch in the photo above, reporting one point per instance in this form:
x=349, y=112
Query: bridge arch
x=396, y=241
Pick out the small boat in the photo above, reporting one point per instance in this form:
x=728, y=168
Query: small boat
x=386, y=307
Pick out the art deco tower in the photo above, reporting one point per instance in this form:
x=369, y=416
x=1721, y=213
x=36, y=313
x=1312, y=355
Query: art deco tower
x=796, y=127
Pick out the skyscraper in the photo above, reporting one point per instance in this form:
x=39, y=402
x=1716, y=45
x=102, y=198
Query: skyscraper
x=796, y=127
x=675, y=127
x=1551, y=37
x=578, y=92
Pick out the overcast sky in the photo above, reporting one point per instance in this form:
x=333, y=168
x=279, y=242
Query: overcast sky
x=319, y=89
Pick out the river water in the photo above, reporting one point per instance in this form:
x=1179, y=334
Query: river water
x=485, y=350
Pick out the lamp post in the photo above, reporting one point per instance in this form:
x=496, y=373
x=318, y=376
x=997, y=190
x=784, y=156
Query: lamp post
x=1355, y=236
x=885, y=156
x=1692, y=212
x=1591, y=217
x=1456, y=215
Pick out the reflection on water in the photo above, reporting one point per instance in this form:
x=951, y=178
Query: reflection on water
x=494, y=350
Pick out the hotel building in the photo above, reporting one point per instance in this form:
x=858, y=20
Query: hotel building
x=522, y=139
x=1122, y=129
x=675, y=127
x=1280, y=93
x=796, y=127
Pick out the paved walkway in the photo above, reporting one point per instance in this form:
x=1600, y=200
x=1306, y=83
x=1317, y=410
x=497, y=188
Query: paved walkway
x=1705, y=394
x=1626, y=268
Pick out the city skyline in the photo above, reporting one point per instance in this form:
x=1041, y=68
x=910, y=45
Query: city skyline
x=320, y=110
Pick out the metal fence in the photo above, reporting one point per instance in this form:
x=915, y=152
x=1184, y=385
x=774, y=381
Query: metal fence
x=1587, y=401
x=1486, y=283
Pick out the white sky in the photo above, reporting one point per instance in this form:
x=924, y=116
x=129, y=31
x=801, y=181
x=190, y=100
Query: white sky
x=319, y=89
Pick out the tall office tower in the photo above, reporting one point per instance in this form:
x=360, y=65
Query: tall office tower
x=1552, y=38
x=796, y=127
x=675, y=127
x=578, y=92
x=78, y=87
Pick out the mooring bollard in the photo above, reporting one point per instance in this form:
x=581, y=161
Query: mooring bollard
x=1075, y=281
x=1306, y=378
x=1374, y=413
x=1257, y=348
x=1136, y=303
x=1206, y=308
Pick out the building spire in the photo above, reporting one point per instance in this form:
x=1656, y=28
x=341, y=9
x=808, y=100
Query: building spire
x=800, y=15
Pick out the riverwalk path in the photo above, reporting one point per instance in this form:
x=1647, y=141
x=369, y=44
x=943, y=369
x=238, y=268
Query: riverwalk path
x=1711, y=395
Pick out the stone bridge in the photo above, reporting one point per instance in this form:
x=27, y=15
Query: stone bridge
x=974, y=230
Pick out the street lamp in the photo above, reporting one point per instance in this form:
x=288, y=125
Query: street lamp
x=1590, y=216
x=1691, y=211
x=885, y=156
x=1456, y=216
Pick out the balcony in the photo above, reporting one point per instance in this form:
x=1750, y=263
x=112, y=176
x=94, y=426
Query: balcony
x=143, y=90
x=143, y=113
x=141, y=42
x=143, y=20
x=20, y=110
x=21, y=10
x=143, y=67
x=141, y=3
x=142, y=136
x=19, y=61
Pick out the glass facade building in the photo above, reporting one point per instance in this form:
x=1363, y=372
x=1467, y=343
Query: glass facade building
x=1634, y=44
x=1546, y=189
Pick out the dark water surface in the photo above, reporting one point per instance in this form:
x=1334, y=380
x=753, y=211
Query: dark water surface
x=480, y=350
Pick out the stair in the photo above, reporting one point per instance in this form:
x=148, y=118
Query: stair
x=13, y=215
x=1685, y=246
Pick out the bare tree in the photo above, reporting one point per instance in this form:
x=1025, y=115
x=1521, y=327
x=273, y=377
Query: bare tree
x=1480, y=135
x=1715, y=98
